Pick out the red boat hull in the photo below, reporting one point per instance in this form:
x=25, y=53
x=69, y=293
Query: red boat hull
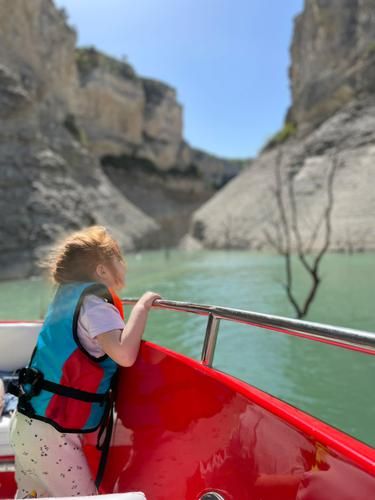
x=184, y=429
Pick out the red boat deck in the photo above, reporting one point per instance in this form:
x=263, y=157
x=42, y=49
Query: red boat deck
x=184, y=429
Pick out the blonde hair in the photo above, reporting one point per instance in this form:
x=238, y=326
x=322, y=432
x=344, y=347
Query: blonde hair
x=76, y=256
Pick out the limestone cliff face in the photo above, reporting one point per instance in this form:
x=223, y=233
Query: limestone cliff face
x=111, y=104
x=37, y=47
x=333, y=81
x=333, y=59
x=124, y=114
x=162, y=131
x=49, y=182
x=135, y=127
x=71, y=123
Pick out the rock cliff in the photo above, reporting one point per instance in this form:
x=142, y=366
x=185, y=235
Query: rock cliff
x=123, y=114
x=62, y=111
x=331, y=121
x=135, y=128
x=332, y=53
x=49, y=182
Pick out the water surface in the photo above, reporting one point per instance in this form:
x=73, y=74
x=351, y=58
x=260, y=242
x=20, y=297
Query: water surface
x=333, y=384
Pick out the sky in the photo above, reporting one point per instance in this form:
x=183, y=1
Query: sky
x=227, y=59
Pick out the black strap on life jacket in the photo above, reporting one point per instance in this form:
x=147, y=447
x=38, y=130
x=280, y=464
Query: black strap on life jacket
x=36, y=381
x=106, y=429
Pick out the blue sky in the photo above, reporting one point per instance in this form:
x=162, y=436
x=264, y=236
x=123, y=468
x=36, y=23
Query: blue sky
x=227, y=59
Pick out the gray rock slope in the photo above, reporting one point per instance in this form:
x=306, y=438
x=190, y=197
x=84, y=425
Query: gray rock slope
x=332, y=119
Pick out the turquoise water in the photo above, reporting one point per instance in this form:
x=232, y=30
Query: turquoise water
x=333, y=384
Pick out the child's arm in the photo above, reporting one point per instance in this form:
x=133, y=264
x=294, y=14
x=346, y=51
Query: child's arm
x=123, y=345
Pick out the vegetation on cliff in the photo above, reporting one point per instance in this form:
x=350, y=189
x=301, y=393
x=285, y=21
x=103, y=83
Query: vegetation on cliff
x=89, y=58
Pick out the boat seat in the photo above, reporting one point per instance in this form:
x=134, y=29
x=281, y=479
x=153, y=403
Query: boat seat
x=17, y=341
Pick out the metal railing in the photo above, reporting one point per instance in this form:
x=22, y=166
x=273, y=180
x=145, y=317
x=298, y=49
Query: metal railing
x=341, y=337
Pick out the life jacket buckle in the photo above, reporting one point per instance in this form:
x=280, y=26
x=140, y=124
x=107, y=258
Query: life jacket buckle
x=32, y=377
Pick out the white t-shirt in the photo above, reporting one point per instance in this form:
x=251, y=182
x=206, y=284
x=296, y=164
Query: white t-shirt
x=96, y=316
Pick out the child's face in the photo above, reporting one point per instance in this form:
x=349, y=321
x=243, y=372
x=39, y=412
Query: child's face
x=112, y=275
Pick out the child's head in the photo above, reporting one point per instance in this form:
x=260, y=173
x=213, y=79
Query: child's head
x=90, y=254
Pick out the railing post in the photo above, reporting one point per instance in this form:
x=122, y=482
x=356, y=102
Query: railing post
x=209, y=344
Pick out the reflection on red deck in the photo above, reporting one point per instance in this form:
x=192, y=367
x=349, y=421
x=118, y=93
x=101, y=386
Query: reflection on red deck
x=184, y=429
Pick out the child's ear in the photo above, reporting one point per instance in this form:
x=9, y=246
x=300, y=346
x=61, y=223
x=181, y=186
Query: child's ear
x=101, y=271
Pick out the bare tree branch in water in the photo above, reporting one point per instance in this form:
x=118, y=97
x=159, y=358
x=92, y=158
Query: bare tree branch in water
x=227, y=231
x=286, y=231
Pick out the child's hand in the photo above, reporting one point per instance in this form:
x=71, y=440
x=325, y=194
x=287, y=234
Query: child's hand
x=148, y=298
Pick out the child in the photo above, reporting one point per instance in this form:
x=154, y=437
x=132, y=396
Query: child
x=65, y=391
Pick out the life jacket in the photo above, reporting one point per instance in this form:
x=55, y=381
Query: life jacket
x=64, y=385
